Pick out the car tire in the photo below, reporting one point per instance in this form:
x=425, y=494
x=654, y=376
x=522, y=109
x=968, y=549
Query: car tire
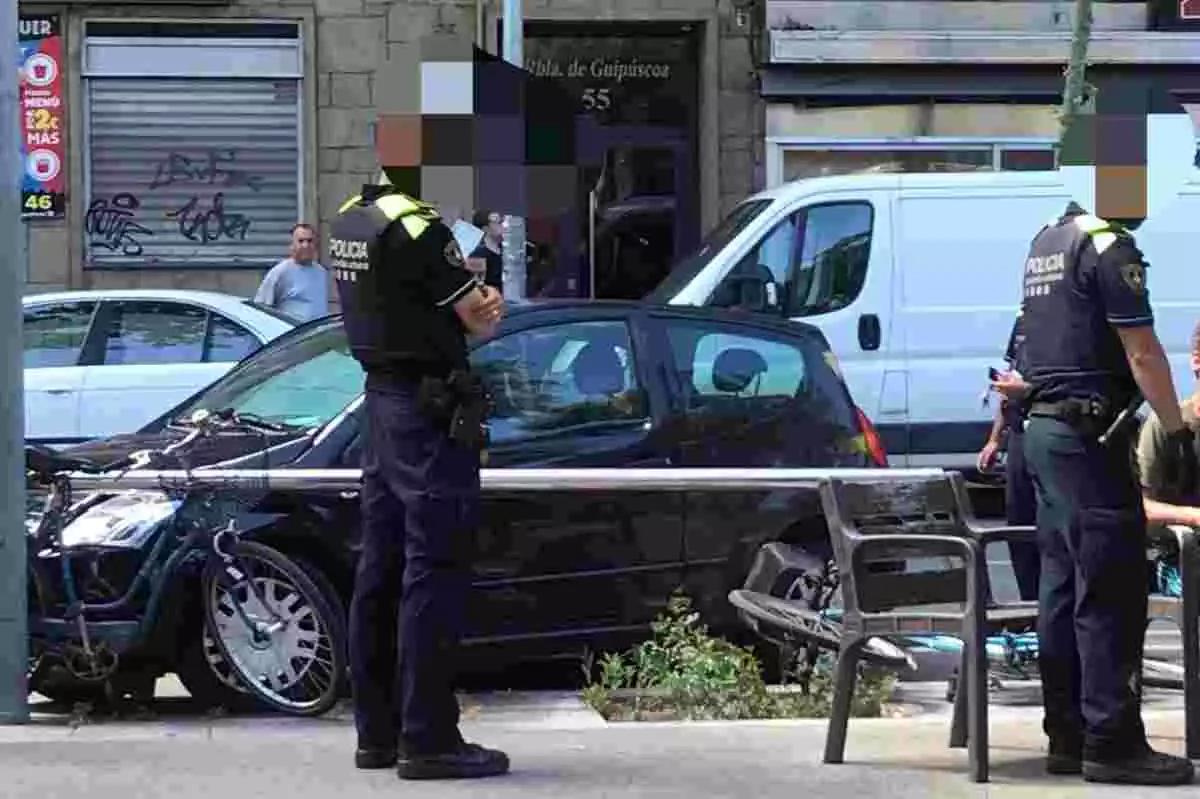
x=803, y=557
x=198, y=673
x=229, y=585
x=207, y=690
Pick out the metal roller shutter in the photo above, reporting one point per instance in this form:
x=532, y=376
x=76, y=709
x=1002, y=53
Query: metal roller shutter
x=191, y=172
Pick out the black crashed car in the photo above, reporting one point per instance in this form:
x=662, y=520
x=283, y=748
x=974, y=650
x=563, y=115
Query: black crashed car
x=575, y=384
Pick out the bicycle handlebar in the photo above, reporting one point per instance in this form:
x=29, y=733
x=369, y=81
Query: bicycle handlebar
x=44, y=465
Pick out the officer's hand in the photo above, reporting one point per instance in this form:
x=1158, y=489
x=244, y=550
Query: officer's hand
x=491, y=309
x=987, y=456
x=1011, y=385
x=1181, y=466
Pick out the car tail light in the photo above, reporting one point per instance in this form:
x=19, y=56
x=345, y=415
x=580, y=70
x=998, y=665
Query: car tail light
x=871, y=439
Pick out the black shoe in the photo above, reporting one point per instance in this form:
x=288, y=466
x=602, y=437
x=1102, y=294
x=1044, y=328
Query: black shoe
x=374, y=758
x=1064, y=759
x=1147, y=767
x=467, y=762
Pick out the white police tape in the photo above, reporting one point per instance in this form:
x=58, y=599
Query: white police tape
x=682, y=479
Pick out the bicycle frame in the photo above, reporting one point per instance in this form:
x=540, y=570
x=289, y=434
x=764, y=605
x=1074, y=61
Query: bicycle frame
x=155, y=574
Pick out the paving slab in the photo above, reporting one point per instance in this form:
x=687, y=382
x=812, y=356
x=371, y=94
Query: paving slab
x=555, y=755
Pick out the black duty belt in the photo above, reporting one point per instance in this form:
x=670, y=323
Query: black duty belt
x=1073, y=409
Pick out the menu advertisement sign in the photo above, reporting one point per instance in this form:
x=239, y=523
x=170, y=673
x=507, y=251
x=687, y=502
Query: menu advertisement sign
x=43, y=126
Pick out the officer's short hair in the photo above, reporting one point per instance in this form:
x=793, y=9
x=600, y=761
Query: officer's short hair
x=480, y=219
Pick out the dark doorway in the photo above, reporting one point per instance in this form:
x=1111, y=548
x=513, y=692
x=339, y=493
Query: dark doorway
x=637, y=204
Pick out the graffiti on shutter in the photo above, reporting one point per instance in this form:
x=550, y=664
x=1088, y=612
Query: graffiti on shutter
x=191, y=173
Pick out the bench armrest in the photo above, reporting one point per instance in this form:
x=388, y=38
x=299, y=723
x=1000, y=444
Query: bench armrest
x=989, y=535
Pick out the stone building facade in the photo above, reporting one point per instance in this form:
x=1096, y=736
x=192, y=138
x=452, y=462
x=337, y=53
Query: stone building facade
x=197, y=133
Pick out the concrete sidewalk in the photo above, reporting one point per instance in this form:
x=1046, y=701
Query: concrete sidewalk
x=559, y=751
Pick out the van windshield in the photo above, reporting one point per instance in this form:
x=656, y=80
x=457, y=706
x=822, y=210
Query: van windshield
x=688, y=267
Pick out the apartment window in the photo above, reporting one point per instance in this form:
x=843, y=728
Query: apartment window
x=194, y=143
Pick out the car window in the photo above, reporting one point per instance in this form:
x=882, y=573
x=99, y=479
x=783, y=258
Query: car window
x=814, y=261
x=688, y=267
x=54, y=334
x=150, y=332
x=833, y=258
x=734, y=371
x=754, y=283
x=559, y=377
x=302, y=382
x=228, y=341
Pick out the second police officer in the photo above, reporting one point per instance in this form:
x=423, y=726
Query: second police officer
x=409, y=303
x=1090, y=352
x=1020, y=500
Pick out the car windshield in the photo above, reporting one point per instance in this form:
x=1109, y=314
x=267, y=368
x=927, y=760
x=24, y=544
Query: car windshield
x=301, y=382
x=687, y=268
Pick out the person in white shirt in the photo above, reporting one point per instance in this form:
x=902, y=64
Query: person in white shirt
x=298, y=285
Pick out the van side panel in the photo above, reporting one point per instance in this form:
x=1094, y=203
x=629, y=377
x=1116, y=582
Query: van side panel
x=959, y=270
x=1170, y=240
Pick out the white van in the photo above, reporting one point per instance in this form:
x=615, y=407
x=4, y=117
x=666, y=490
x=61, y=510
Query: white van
x=915, y=279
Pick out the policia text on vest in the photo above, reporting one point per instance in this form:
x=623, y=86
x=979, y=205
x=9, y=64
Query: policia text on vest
x=348, y=257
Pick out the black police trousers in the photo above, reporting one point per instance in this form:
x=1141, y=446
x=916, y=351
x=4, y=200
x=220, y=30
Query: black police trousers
x=1020, y=507
x=1093, y=599
x=420, y=497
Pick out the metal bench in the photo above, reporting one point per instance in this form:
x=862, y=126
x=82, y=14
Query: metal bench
x=911, y=561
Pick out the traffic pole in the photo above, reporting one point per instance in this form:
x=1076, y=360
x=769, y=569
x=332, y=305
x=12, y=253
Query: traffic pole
x=14, y=692
x=513, y=227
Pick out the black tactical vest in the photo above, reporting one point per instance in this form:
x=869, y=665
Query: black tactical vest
x=390, y=325
x=1069, y=348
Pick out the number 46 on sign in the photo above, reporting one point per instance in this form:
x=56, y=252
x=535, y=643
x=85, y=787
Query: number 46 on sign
x=38, y=203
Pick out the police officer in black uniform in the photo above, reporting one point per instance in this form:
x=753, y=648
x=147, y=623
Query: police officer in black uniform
x=409, y=302
x=1020, y=499
x=1090, y=352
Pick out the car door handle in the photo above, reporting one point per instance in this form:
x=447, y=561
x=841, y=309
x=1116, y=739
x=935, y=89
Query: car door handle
x=58, y=391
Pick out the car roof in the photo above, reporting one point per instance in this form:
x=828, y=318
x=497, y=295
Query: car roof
x=215, y=298
x=519, y=313
x=229, y=304
x=523, y=309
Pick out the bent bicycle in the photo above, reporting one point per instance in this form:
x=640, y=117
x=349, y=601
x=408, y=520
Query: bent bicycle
x=103, y=570
x=805, y=620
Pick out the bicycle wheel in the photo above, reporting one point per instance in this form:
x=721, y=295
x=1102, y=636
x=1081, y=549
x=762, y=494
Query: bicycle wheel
x=275, y=629
x=1161, y=674
x=791, y=620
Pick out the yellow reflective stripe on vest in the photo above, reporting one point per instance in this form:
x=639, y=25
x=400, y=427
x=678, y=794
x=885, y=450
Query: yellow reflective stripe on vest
x=346, y=206
x=398, y=206
x=1100, y=231
x=1103, y=241
x=1092, y=224
x=393, y=205
x=414, y=225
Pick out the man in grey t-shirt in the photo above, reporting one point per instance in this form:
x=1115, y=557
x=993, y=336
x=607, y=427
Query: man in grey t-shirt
x=297, y=286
